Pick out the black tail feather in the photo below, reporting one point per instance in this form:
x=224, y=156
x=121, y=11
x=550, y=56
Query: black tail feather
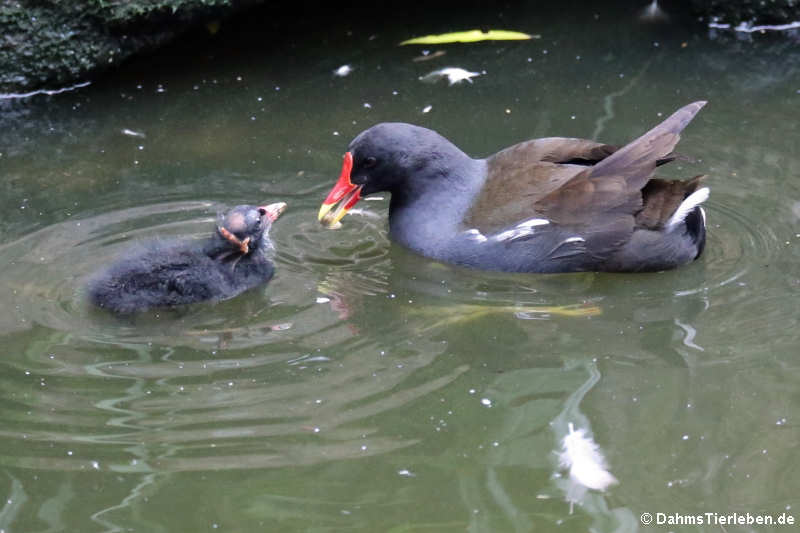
x=696, y=228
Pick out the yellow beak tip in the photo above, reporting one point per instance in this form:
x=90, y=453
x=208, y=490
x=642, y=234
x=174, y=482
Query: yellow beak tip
x=323, y=210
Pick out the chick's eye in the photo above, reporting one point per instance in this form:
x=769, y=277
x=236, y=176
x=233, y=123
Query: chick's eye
x=262, y=211
x=370, y=162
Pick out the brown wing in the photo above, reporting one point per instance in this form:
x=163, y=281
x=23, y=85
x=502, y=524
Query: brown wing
x=603, y=202
x=613, y=186
x=557, y=150
x=522, y=175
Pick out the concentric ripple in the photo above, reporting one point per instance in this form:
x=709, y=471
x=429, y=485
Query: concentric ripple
x=278, y=376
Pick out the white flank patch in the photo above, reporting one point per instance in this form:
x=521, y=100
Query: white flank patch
x=453, y=74
x=574, y=239
x=533, y=222
x=511, y=234
x=475, y=235
x=582, y=457
x=523, y=229
x=693, y=200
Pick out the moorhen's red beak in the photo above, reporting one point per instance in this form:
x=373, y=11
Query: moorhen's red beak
x=273, y=211
x=344, y=193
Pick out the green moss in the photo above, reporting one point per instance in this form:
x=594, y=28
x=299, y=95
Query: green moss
x=54, y=43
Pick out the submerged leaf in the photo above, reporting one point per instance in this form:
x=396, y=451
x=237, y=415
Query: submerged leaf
x=471, y=36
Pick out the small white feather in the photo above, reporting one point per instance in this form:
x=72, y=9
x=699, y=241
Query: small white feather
x=452, y=74
x=693, y=200
x=343, y=71
x=582, y=457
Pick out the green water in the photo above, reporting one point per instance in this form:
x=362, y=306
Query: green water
x=366, y=388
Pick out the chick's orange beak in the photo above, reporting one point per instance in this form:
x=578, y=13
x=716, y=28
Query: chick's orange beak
x=344, y=193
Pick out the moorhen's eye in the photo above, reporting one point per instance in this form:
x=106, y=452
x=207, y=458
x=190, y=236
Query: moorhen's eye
x=370, y=162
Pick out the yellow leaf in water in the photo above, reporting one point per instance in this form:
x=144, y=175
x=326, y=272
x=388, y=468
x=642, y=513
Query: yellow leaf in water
x=471, y=36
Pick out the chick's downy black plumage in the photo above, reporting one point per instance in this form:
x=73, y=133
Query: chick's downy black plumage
x=171, y=273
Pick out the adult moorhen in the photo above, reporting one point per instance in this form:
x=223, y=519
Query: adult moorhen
x=545, y=205
x=166, y=274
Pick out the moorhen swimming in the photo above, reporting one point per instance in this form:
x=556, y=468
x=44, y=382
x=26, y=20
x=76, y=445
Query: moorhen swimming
x=166, y=274
x=545, y=205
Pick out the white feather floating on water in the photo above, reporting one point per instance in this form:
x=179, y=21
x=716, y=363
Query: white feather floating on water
x=582, y=457
x=343, y=71
x=452, y=74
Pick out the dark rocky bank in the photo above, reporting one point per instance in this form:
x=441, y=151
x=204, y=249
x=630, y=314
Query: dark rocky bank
x=54, y=43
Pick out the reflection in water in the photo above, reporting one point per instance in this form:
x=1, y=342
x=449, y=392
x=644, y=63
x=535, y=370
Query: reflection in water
x=13, y=504
x=591, y=464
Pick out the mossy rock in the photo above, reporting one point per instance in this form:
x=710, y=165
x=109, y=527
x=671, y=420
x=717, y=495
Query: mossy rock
x=55, y=43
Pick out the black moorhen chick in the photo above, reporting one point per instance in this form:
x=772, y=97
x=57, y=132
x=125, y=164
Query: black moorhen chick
x=545, y=205
x=166, y=274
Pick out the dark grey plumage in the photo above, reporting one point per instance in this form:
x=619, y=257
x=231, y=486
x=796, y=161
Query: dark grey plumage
x=173, y=273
